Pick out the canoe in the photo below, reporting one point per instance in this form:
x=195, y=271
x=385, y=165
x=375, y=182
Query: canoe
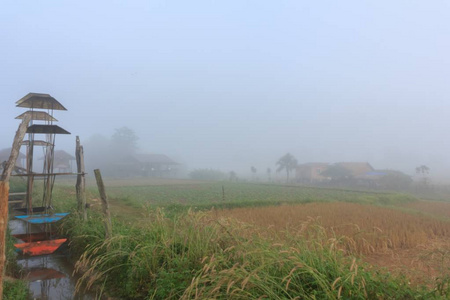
x=41, y=247
x=42, y=219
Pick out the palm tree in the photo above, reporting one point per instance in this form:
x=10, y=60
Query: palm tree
x=287, y=162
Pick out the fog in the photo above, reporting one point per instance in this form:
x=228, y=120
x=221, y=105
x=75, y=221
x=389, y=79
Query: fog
x=233, y=84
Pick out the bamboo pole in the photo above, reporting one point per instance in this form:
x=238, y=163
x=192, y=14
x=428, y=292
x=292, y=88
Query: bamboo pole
x=4, y=193
x=105, y=205
x=81, y=181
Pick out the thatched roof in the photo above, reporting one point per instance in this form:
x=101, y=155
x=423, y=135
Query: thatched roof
x=37, y=115
x=40, y=101
x=48, y=129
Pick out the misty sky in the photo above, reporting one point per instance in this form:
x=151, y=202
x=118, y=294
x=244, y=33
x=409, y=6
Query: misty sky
x=230, y=84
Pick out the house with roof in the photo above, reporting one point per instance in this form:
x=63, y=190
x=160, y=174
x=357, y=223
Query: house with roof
x=156, y=165
x=63, y=162
x=315, y=172
x=311, y=172
x=357, y=169
x=6, y=152
x=143, y=164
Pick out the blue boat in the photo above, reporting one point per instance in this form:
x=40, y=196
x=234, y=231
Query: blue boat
x=42, y=219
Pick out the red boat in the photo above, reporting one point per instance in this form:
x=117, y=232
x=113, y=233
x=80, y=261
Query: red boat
x=41, y=247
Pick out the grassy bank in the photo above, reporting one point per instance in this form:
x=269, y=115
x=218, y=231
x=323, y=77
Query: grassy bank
x=198, y=256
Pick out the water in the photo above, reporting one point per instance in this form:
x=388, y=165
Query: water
x=50, y=276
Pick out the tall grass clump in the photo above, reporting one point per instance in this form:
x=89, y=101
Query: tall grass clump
x=196, y=255
x=13, y=289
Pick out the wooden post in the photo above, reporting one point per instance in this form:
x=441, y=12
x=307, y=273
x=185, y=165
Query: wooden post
x=223, y=193
x=28, y=199
x=105, y=206
x=81, y=181
x=4, y=193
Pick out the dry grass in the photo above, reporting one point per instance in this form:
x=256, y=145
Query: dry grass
x=369, y=229
x=416, y=245
x=437, y=208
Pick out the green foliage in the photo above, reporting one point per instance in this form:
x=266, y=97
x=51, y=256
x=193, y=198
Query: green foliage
x=11, y=267
x=395, y=180
x=207, y=174
x=17, y=185
x=15, y=290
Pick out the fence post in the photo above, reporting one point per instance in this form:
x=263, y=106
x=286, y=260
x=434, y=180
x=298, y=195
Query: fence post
x=105, y=206
x=81, y=181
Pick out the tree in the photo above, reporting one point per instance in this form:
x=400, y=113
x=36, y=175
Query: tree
x=337, y=172
x=253, y=169
x=288, y=163
x=124, y=140
x=424, y=171
x=394, y=180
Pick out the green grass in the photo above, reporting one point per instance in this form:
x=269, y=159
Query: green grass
x=179, y=198
x=13, y=289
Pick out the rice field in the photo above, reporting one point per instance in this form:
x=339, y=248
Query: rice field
x=241, y=240
x=369, y=228
x=226, y=194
